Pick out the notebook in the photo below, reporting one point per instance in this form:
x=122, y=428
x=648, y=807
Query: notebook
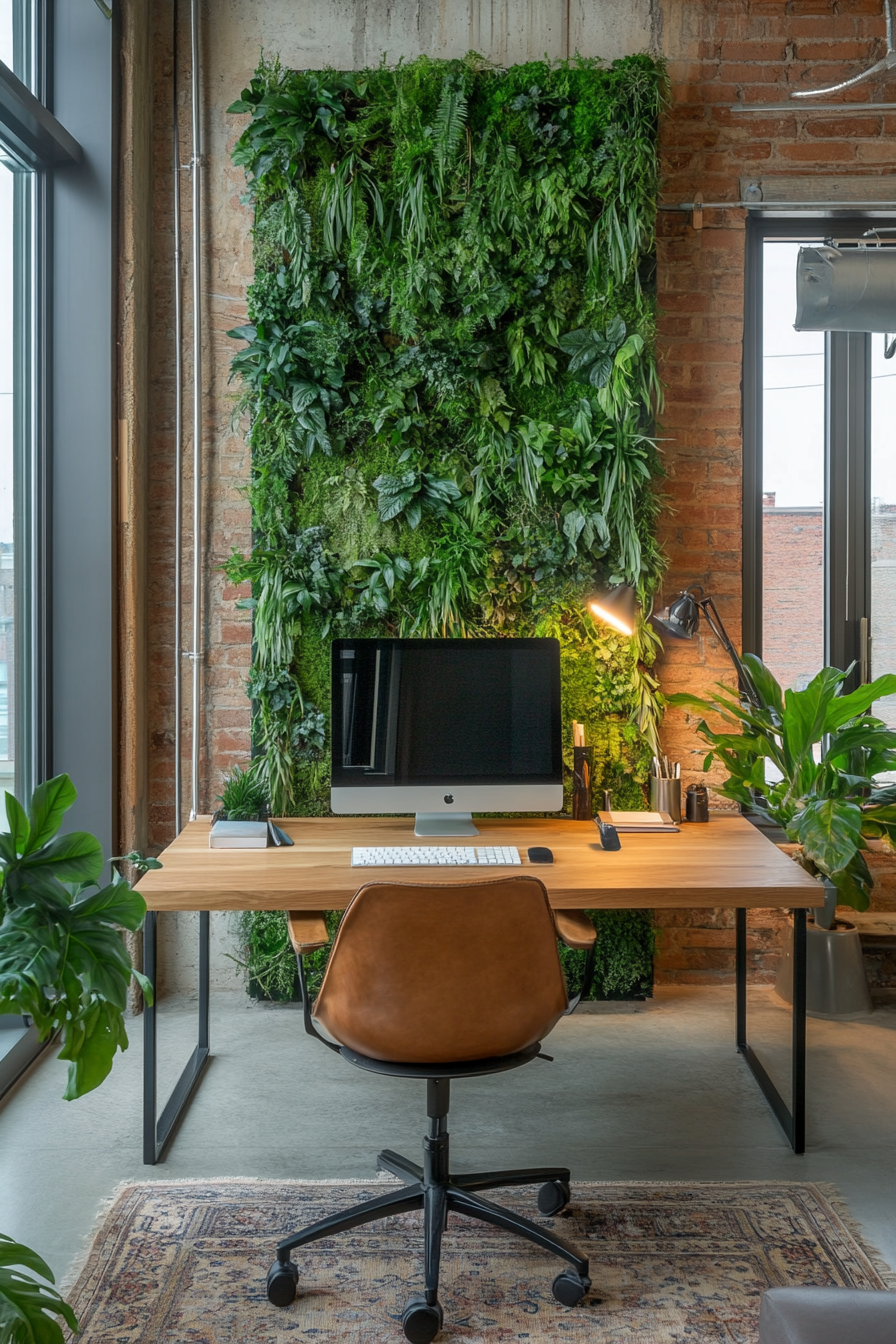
x=628, y=822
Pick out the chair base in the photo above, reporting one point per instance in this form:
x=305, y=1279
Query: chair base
x=433, y=1189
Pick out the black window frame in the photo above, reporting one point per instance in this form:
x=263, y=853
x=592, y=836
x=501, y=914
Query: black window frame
x=847, y=516
x=62, y=133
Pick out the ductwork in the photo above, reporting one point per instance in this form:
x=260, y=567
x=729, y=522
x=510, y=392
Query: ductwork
x=846, y=290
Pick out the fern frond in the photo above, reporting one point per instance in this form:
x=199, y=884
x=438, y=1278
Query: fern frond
x=451, y=118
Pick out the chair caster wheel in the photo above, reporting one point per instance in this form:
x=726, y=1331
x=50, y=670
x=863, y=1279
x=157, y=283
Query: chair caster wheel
x=282, y=1282
x=569, y=1288
x=421, y=1321
x=553, y=1197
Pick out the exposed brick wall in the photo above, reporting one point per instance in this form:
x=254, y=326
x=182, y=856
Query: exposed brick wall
x=793, y=593
x=720, y=54
x=226, y=631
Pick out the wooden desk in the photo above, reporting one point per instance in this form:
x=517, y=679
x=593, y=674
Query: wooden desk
x=725, y=863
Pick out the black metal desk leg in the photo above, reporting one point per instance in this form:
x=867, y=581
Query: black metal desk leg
x=793, y=1122
x=157, y=1133
x=149, y=1040
x=740, y=977
x=799, y=1032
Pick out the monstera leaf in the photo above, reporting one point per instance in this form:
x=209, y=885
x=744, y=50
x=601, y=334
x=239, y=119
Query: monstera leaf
x=62, y=959
x=26, y=1306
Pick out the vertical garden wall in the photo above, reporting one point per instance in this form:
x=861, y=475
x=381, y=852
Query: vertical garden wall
x=450, y=386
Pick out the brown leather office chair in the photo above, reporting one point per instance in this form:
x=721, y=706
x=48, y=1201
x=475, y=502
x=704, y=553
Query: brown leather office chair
x=439, y=982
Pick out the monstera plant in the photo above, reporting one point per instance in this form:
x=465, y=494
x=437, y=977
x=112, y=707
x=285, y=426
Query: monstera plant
x=809, y=761
x=62, y=963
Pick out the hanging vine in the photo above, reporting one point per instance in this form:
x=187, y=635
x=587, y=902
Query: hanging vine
x=449, y=376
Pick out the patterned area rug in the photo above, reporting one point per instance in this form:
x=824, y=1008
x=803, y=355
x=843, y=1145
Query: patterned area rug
x=186, y=1261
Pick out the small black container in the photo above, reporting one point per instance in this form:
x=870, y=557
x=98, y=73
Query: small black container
x=696, y=803
x=583, y=766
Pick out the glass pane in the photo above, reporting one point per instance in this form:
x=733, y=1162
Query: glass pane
x=6, y=37
x=8, y=309
x=16, y=46
x=792, y=478
x=883, y=521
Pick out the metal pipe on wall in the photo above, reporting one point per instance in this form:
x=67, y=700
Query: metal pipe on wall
x=195, y=652
x=196, y=173
x=178, y=447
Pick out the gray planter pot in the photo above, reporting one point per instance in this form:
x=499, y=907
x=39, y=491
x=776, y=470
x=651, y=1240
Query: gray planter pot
x=836, y=986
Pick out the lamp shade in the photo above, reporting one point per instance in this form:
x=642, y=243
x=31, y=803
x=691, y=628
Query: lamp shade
x=682, y=618
x=615, y=608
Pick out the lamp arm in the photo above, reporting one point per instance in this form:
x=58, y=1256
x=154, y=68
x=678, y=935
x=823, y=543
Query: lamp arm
x=717, y=626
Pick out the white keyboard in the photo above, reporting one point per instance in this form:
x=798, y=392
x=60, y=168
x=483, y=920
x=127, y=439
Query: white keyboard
x=433, y=856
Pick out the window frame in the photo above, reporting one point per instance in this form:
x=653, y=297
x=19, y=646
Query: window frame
x=847, y=514
x=65, y=489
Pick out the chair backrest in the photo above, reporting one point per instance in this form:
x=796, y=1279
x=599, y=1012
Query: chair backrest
x=430, y=973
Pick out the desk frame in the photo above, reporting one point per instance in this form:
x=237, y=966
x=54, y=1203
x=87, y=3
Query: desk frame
x=158, y=1130
x=792, y=1120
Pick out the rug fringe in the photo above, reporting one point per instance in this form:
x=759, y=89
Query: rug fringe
x=76, y=1268
x=855, y=1229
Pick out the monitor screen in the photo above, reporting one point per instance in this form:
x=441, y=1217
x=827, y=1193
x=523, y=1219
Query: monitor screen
x=413, y=712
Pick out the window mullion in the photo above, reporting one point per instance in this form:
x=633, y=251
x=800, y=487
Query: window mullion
x=847, y=489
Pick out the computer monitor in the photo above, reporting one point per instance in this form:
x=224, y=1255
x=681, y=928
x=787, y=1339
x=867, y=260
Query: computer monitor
x=446, y=727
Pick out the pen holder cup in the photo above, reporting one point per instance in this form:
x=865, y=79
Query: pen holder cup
x=665, y=796
x=583, y=765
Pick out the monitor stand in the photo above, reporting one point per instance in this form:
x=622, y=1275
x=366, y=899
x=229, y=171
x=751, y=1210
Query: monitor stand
x=444, y=823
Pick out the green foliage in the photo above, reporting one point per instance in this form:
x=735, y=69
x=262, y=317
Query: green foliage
x=826, y=750
x=63, y=963
x=449, y=372
x=62, y=959
x=244, y=797
x=623, y=965
x=26, y=1306
x=270, y=962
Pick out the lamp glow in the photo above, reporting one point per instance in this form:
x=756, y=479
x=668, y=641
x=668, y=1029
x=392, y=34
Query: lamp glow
x=615, y=608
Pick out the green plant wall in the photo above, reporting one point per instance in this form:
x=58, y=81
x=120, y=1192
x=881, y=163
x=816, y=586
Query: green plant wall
x=450, y=380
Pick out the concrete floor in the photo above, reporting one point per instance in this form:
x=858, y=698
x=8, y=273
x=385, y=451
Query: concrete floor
x=657, y=1093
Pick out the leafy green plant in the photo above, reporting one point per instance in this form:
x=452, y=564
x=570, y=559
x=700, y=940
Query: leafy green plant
x=244, y=797
x=63, y=963
x=26, y=1306
x=825, y=751
x=592, y=352
x=623, y=965
x=413, y=493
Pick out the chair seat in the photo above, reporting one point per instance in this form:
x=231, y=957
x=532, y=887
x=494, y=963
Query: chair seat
x=827, y=1316
x=469, y=1068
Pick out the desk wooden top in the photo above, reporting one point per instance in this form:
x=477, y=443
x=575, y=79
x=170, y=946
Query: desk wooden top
x=726, y=862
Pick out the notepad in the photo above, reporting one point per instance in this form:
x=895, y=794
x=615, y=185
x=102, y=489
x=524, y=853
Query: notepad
x=628, y=822
x=238, y=835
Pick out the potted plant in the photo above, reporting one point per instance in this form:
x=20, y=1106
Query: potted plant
x=63, y=963
x=243, y=799
x=808, y=761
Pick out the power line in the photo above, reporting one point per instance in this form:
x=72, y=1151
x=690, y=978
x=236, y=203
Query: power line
x=795, y=387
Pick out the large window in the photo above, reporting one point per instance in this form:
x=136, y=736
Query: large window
x=819, y=476
x=57, y=464
x=8, y=323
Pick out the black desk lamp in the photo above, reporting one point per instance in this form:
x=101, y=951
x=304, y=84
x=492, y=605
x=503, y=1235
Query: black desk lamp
x=682, y=621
